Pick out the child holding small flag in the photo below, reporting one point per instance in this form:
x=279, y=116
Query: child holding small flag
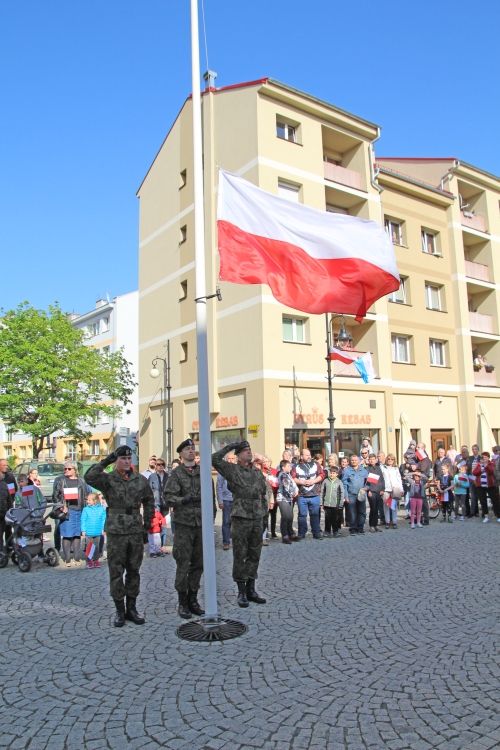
x=92, y=522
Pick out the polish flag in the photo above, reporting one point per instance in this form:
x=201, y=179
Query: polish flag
x=70, y=494
x=12, y=488
x=420, y=454
x=372, y=478
x=343, y=356
x=27, y=491
x=313, y=260
x=89, y=550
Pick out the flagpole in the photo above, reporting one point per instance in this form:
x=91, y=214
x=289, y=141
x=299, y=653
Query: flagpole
x=331, y=418
x=209, y=577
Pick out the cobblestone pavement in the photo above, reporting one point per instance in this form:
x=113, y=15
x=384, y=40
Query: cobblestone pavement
x=382, y=641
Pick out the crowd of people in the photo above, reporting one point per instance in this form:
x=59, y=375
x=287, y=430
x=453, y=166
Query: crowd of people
x=129, y=509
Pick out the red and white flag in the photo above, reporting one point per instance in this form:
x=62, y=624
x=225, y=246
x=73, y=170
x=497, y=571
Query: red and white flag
x=421, y=454
x=70, y=494
x=89, y=550
x=372, y=478
x=314, y=261
x=343, y=356
x=27, y=491
x=12, y=488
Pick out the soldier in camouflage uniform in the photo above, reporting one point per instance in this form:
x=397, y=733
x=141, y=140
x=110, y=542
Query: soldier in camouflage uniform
x=183, y=494
x=248, y=517
x=124, y=491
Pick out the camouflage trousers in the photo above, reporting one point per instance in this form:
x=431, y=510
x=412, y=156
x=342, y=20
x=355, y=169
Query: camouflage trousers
x=246, y=534
x=188, y=555
x=125, y=553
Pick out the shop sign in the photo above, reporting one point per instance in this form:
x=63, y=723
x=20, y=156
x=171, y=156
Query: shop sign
x=309, y=419
x=356, y=419
x=221, y=422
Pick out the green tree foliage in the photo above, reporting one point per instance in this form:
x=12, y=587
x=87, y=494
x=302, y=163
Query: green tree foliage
x=49, y=379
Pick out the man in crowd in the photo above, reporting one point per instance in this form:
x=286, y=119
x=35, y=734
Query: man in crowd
x=248, y=516
x=472, y=461
x=157, y=482
x=183, y=494
x=441, y=460
x=225, y=501
x=375, y=485
x=308, y=476
x=354, y=479
x=125, y=492
x=151, y=467
x=424, y=466
x=9, y=489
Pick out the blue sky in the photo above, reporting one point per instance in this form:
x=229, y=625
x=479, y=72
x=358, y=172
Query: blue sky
x=90, y=88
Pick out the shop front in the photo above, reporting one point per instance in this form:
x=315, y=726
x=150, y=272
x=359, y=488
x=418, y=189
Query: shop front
x=227, y=427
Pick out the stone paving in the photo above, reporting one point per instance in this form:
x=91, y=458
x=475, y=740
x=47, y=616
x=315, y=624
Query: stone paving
x=382, y=641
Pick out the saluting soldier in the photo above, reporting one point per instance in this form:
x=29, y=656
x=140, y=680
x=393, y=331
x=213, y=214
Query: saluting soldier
x=248, y=516
x=125, y=492
x=183, y=494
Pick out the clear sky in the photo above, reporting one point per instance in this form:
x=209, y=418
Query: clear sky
x=89, y=89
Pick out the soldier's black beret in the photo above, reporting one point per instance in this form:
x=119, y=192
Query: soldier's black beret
x=242, y=446
x=185, y=444
x=124, y=451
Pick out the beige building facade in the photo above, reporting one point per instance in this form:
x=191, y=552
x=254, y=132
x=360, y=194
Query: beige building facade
x=268, y=372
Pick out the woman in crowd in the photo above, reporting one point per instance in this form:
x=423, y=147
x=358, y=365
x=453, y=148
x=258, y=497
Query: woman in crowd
x=71, y=490
x=393, y=491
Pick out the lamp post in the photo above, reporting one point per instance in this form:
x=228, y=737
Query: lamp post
x=167, y=412
x=343, y=337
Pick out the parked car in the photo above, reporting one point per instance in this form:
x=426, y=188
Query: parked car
x=48, y=470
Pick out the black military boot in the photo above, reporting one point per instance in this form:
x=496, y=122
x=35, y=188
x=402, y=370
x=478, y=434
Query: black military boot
x=242, y=594
x=119, y=620
x=252, y=595
x=183, y=608
x=194, y=605
x=131, y=612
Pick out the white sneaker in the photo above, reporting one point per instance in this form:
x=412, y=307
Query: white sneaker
x=420, y=525
x=412, y=526
x=486, y=520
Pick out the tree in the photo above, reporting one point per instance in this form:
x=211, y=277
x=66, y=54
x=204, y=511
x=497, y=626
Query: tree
x=51, y=381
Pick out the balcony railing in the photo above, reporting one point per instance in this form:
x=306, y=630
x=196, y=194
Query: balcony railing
x=485, y=378
x=343, y=176
x=477, y=271
x=481, y=323
x=474, y=221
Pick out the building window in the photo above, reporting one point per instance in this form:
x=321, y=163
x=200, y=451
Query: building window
x=95, y=448
x=93, y=329
x=437, y=353
x=430, y=243
x=294, y=330
x=401, y=294
x=289, y=190
x=183, y=292
x=182, y=234
x=182, y=179
x=433, y=296
x=400, y=348
x=104, y=324
x=395, y=230
x=184, y=352
x=71, y=450
x=287, y=130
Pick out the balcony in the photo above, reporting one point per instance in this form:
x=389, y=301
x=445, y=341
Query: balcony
x=477, y=271
x=485, y=378
x=480, y=323
x=473, y=221
x=343, y=176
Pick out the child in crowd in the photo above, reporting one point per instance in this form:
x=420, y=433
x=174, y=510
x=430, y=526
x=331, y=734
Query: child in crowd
x=332, y=500
x=460, y=490
x=154, y=534
x=417, y=492
x=286, y=492
x=92, y=523
x=445, y=484
x=29, y=496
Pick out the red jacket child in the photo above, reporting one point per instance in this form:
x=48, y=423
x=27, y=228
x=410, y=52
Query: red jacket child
x=484, y=465
x=157, y=522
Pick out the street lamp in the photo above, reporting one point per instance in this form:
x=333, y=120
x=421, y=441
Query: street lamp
x=167, y=412
x=343, y=338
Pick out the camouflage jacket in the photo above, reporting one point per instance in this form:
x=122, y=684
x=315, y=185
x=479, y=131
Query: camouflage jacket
x=185, y=482
x=124, y=498
x=247, y=484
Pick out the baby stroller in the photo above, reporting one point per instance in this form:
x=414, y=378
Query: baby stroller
x=26, y=541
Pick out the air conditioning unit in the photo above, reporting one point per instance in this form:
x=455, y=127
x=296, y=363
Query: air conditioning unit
x=469, y=214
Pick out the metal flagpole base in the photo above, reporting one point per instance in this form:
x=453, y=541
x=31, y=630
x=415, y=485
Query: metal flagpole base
x=210, y=629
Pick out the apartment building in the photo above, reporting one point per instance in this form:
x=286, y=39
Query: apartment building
x=109, y=326
x=267, y=363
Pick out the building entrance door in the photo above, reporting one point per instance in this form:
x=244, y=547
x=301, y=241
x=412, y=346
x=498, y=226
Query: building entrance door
x=441, y=439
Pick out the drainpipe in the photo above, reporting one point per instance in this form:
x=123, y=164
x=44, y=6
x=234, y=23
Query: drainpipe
x=374, y=171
